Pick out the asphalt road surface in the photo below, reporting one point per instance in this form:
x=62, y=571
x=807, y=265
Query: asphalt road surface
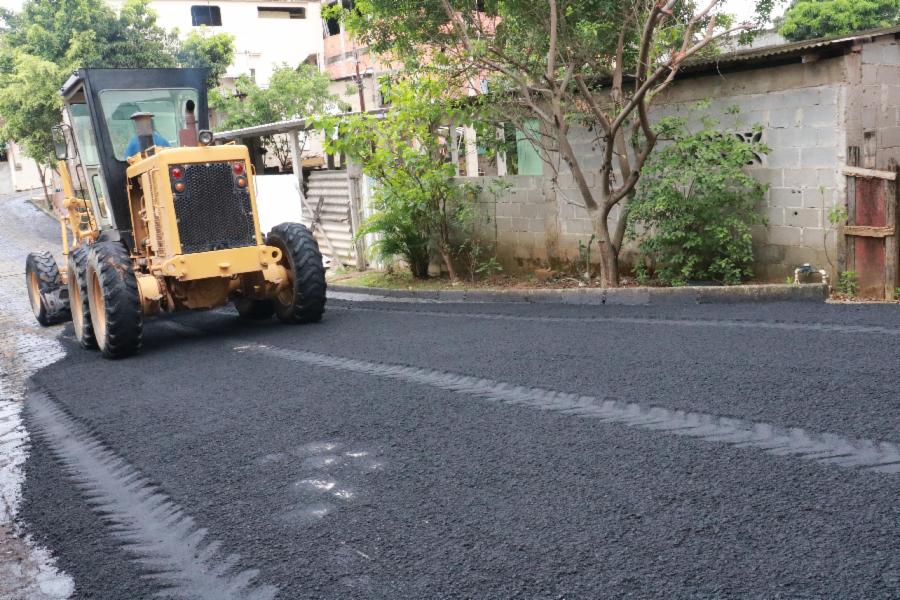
x=426, y=450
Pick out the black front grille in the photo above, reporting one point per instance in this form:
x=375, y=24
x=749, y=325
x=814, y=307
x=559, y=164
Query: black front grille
x=213, y=212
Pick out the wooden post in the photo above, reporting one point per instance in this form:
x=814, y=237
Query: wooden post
x=454, y=147
x=502, y=169
x=354, y=176
x=471, y=152
x=891, y=246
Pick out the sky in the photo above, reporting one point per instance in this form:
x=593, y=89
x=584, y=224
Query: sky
x=742, y=8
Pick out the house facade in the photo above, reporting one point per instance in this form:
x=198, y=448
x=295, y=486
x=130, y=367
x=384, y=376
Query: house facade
x=267, y=34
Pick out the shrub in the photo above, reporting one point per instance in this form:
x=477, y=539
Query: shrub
x=418, y=206
x=847, y=284
x=697, y=205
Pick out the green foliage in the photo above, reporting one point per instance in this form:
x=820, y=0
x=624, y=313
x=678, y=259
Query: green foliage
x=49, y=39
x=201, y=48
x=418, y=206
x=479, y=260
x=588, y=30
x=584, y=257
x=291, y=93
x=89, y=33
x=489, y=267
x=837, y=215
x=848, y=284
x=30, y=104
x=807, y=19
x=549, y=66
x=697, y=205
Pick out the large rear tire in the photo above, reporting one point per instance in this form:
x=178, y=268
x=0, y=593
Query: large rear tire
x=42, y=278
x=78, y=298
x=115, y=304
x=303, y=301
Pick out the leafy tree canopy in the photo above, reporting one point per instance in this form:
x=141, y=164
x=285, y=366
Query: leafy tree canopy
x=418, y=206
x=204, y=49
x=45, y=42
x=596, y=64
x=807, y=19
x=292, y=93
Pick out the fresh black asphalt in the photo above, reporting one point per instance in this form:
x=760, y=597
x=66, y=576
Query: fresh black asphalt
x=338, y=484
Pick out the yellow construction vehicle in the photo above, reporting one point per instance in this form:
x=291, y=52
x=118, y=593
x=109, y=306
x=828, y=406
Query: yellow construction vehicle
x=159, y=219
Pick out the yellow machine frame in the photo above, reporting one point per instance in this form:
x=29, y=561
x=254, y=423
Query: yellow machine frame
x=199, y=280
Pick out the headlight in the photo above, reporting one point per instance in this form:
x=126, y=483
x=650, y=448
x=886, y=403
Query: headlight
x=205, y=137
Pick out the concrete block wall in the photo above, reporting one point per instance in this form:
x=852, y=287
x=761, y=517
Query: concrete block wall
x=800, y=108
x=878, y=97
x=810, y=114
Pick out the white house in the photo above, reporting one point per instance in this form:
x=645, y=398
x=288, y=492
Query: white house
x=267, y=34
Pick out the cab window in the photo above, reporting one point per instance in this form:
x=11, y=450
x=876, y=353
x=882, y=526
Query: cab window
x=167, y=107
x=84, y=134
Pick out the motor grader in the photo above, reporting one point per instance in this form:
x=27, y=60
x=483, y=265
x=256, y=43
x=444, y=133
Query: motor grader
x=158, y=219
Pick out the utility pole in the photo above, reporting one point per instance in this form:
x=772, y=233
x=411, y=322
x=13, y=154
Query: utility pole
x=360, y=88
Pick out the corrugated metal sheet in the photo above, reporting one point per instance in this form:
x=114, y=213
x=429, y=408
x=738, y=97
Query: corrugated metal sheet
x=274, y=128
x=786, y=50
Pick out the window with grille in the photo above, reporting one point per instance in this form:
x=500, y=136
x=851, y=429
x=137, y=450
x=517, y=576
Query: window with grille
x=206, y=14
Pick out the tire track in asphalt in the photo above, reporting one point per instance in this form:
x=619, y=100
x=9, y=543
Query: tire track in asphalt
x=817, y=327
x=819, y=447
x=165, y=540
x=825, y=448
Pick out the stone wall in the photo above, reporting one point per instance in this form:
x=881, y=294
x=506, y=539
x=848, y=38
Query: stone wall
x=810, y=113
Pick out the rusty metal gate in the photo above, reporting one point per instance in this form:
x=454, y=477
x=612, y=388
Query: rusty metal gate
x=871, y=231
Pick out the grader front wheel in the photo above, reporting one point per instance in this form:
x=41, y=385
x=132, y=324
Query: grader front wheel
x=303, y=300
x=44, y=284
x=78, y=298
x=114, y=301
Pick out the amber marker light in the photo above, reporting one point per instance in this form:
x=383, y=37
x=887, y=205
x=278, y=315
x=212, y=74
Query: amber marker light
x=179, y=187
x=242, y=181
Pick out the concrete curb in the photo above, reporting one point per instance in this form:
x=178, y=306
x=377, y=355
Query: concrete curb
x=639, y=296
x=38, y=203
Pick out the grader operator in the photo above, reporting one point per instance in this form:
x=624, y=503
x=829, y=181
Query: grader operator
x=160, y=220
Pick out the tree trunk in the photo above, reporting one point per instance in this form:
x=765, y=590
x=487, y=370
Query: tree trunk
x=42, y=172
x=445, y=256
x=609, y=252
